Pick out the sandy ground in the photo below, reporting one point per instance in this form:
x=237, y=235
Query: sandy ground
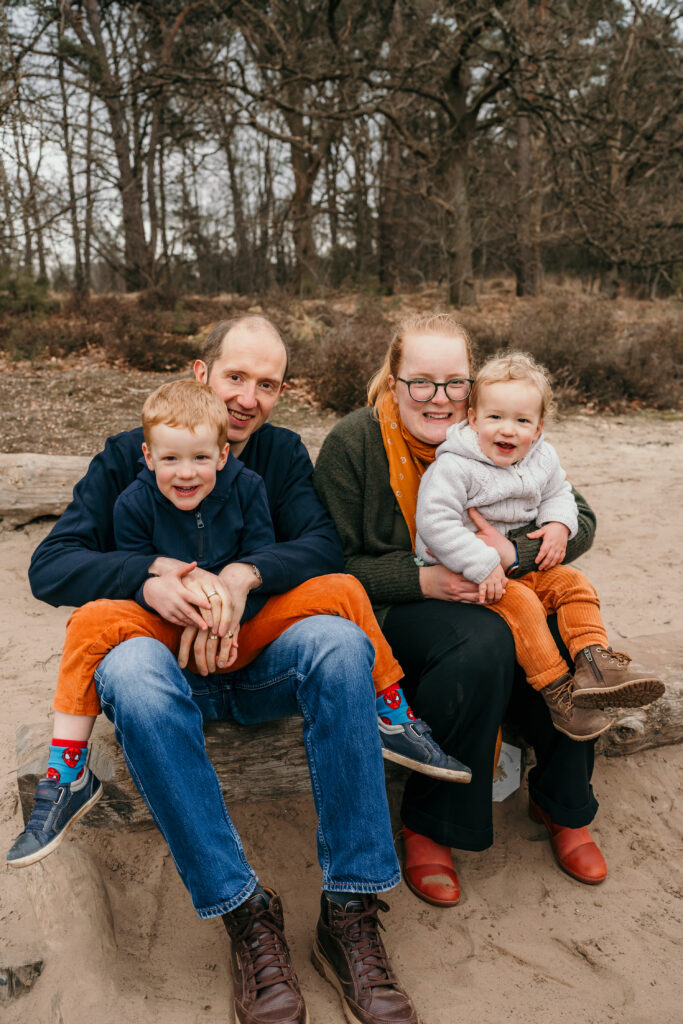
x=116, y=931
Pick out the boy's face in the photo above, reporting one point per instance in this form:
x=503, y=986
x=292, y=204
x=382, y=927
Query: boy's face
x=185, y=462
x=507, y=419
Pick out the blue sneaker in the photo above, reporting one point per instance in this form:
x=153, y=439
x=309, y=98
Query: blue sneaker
x=412, y=745
x=57, y=806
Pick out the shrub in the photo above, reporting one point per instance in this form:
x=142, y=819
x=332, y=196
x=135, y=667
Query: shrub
x=349, y=355
x=24, y=293
x=137, y=338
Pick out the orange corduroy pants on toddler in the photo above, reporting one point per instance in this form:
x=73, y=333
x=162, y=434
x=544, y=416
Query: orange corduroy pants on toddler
x=526, y=603
x=98, y=627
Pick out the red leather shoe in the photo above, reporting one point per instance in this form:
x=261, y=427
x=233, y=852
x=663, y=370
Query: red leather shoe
x=574, y=849
x=428, y=870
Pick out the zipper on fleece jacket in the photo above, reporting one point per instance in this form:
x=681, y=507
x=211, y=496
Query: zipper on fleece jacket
x=200, y=534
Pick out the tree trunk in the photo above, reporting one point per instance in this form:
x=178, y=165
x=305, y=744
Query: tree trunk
x=527, y=256
x=80, y=288
x=461, y=291
x=388, y=220
x=305, y=257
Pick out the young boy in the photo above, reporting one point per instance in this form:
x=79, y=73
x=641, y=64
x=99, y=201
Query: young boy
x=498, y=462
x=194, y=503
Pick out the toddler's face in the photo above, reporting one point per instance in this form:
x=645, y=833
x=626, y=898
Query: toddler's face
x=185, y=462
x=507, y=419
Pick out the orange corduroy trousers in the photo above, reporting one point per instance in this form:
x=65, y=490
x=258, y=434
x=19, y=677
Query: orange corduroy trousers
x=97, y=627
x=525, y=605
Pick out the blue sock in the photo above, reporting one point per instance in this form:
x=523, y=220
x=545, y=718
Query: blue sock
x=392, y=706
x=67, y=759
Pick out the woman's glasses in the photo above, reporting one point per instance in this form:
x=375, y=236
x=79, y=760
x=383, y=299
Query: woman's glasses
x=421, y=390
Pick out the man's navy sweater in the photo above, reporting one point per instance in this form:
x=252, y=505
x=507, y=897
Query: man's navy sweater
x=78, y=561
x=231, y=523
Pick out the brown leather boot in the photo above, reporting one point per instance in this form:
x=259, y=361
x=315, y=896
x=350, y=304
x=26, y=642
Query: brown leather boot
x=265, y=986
x=577, y=723
x=602, y=678
x=348, y=952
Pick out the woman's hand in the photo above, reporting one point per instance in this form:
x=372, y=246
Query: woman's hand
x=493, y=587
x=438, y=582
x=554, y=545
x=494, y=538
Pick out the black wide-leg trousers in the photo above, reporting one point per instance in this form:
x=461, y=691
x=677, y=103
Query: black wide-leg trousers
x=462, y=678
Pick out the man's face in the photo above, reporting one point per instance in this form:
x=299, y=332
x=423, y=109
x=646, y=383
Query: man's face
x=248, y=377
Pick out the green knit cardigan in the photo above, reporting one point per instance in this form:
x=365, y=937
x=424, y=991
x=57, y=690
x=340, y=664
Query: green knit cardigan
x=352, y=479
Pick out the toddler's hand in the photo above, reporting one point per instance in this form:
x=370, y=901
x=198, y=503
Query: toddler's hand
x=553, y=546
x=493, y=587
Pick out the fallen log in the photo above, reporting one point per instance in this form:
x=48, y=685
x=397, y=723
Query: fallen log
x=37, y=485
x=268, y=762
x=659, y=724
x=252, y=762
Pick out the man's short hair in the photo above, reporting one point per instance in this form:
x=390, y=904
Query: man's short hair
x=213, y=343
x=188, y=404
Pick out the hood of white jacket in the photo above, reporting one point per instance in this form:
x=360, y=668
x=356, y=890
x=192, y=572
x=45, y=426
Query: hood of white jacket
x=462, y=440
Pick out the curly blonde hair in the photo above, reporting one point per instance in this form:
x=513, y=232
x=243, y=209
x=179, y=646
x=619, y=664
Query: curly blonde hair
x=514, y=366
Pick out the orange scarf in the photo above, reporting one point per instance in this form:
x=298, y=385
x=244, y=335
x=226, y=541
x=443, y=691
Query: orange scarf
x=408, y=459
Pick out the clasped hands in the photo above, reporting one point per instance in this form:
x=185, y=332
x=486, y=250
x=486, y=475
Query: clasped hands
x=209, y=606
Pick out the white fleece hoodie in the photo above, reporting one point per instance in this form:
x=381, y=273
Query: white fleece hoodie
x=462, y=477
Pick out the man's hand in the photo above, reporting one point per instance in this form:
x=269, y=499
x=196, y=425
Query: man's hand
x=438, y=582
x=232, y=585
x=494, y=538
x=554, y=545
x=173, y=600
x=493, y=587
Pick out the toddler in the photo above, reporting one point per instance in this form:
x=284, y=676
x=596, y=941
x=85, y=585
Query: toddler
x=194, y=503
x=498, y=462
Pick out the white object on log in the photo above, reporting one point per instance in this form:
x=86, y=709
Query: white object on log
x=37, y=485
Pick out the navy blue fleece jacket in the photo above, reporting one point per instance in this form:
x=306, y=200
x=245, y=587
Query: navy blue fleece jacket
x=78, y=561
x=232, y=522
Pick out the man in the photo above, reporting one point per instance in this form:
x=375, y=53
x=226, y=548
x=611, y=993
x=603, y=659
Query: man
x=320, y=667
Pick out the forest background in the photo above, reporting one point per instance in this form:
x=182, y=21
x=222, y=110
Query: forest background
x=176, y=151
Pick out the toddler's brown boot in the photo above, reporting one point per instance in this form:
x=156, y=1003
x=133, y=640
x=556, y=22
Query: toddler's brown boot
x=603, y=678
x=577, y=723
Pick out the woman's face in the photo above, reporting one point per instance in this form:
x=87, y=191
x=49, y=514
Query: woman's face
x=436, y=358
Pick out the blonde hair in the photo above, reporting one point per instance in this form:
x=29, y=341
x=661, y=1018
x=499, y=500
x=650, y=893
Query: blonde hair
x=514, y=366
x=188, y=404
x=442, y=324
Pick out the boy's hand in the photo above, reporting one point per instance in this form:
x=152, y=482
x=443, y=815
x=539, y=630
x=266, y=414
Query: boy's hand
x=553, y=546
x=173, y=599
x=493, y=587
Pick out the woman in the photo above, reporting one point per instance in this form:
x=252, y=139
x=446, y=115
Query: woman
x=458, y=656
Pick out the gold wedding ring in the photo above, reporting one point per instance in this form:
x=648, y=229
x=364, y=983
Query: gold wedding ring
x=214, y=593
x=230, y=636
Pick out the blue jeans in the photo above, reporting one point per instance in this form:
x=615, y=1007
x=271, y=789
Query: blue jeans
x=319, y=668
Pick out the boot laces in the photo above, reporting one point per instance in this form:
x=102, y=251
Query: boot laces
x=562, y=694
x=267, y=946
x=360, y=933
x=618, y=656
